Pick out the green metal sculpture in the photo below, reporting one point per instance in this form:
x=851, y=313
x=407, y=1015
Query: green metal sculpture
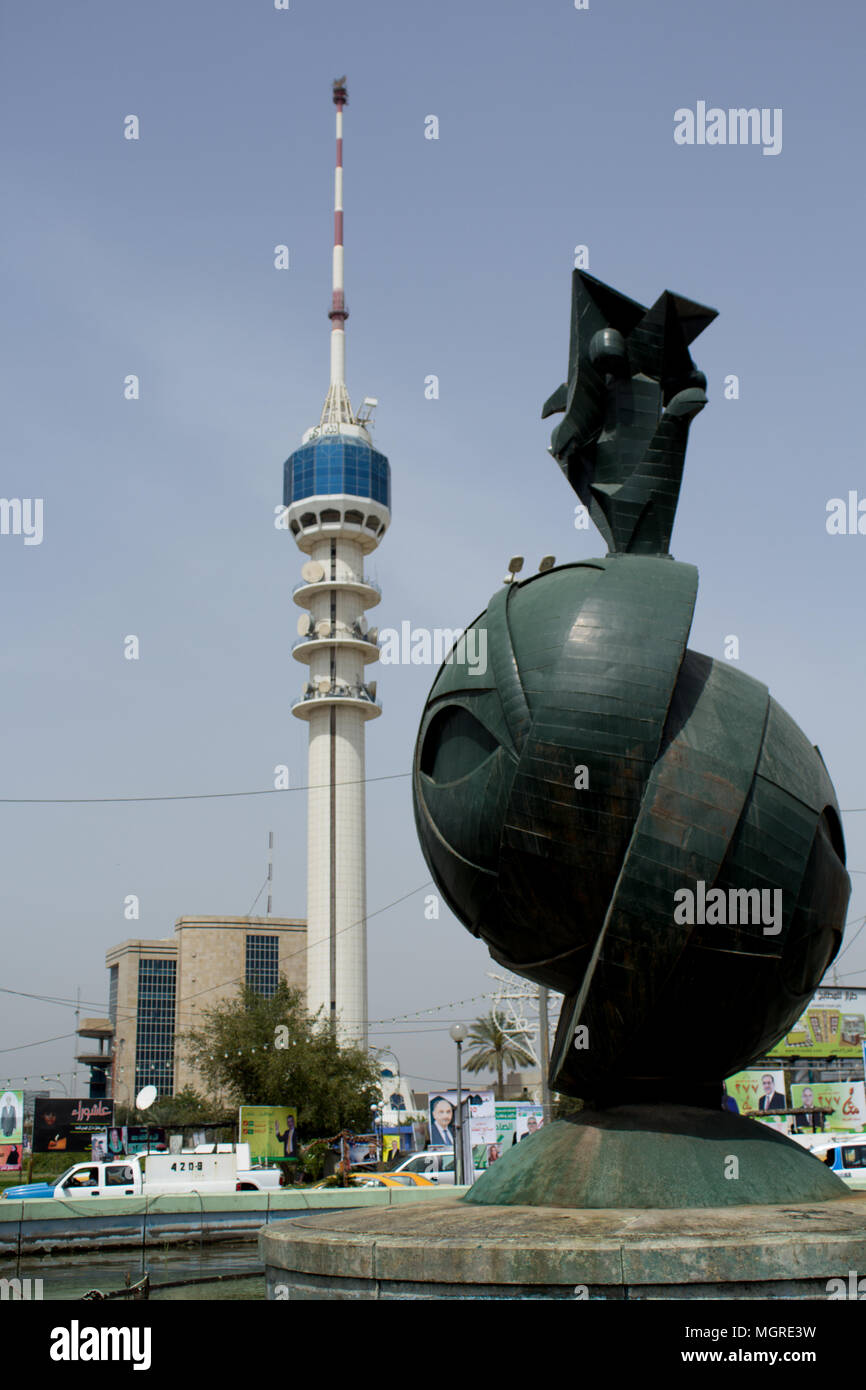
x=601, y=776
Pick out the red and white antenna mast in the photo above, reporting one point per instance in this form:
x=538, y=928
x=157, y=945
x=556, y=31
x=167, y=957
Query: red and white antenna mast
x=337, y=409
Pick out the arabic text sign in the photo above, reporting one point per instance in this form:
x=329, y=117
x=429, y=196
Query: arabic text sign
x=833, y=1025
x=67, y=1124
x=845, y=1099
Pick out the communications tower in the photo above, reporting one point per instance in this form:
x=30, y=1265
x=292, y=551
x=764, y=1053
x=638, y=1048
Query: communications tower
x=337, y=491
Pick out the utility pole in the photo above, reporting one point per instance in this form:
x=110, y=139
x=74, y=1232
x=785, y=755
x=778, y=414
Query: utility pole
x=544, y=1050
x=458, y=1033
x=270, y=869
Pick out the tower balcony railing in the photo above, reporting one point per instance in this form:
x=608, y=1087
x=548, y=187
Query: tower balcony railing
x=362, y=582
x=334, y=691
x=349, y=635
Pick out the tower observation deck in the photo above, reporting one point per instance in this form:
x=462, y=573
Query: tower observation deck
x=337, y=492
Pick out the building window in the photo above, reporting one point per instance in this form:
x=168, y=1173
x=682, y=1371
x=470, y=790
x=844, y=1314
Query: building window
x=336, y=466
x=154, y=1039
x=263, y=964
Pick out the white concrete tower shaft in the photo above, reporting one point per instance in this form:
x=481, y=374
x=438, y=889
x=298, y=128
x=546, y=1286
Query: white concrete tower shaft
x=337, y=494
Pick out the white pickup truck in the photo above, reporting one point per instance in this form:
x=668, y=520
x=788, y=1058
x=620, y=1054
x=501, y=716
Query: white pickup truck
x=154, y=1175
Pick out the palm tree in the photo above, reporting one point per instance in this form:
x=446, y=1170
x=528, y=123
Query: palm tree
x=496, y=1048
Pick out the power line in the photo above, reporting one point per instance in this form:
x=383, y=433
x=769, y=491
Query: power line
x=420, y=1013
x=50, y=998
x=862, y=920
x=239, y=979
x=301, y=950
x=20, y=1047
x=187, y=796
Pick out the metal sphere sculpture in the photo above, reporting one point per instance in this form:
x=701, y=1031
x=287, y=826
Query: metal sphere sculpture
x=617, y=817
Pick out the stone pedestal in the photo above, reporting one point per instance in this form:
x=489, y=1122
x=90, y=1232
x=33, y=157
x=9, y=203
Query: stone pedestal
x=642, y=1202
x=445, y=1249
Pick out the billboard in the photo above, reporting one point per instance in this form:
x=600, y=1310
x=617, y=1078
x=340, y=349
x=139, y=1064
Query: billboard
x=760, y=1093
x=479, y=1117
x=479, y=1124
x=142, y=1139
x=846, y=1100
x=63, y=1123
x=10, y=1157
x=11, y=1117
x=271, y=1132
x=390, y=1146
x=833, y=1025
x=513, y=1121
x=362, y=1150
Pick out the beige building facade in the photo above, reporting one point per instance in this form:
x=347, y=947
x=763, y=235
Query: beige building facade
x=160, y=990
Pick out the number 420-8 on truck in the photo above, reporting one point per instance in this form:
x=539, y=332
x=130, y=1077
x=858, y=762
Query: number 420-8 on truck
x=155, y=1175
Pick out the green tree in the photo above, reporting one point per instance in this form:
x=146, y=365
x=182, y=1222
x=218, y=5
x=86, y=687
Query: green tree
x=185, y=1107
x=272, y=1052
x=496, y=1048
x=188, y=1107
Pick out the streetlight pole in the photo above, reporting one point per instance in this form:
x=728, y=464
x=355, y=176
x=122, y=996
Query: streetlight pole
x=458, y=1032
x=59, y=1082
x=544, y=1049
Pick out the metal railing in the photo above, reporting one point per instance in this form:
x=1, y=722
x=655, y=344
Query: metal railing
x=363, y=581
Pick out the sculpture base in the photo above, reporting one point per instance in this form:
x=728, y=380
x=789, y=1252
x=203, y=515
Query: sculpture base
x=641, y=1202
x=443, y=1248
x=655, y=1156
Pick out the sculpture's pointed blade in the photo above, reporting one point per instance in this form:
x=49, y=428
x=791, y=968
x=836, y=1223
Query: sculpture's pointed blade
x=693, y=317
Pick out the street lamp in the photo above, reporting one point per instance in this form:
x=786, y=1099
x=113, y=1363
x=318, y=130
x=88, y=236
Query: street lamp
x=59, y=1082
x=459, y=1032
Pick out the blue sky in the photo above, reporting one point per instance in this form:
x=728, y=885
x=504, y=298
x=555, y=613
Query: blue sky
x=155, y=257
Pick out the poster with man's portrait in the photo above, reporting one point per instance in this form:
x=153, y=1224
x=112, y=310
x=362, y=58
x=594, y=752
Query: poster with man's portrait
x=271, y=1132
x=760, y=1094
x=11, y=1117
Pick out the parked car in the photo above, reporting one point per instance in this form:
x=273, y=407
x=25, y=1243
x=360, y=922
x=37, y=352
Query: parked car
x=396, y=1179
x=847, y=1159
x=382, y=1180
x=435, y=1165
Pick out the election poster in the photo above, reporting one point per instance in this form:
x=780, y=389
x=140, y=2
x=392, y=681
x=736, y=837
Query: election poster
x=271, y=1132
x=760, y=1094
x=11, y=1117
x=845, y=1100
